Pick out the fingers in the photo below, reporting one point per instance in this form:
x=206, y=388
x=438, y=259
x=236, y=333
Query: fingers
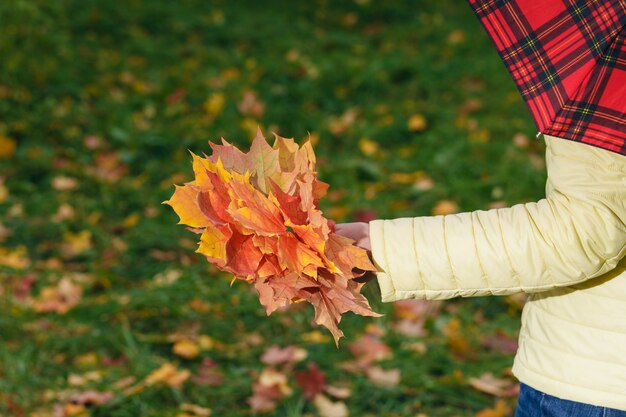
x=366, y=277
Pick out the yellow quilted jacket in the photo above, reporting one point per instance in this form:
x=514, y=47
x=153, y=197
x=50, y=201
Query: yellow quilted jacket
x=567, y=250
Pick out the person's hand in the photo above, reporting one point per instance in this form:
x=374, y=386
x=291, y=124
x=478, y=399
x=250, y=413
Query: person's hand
x=360, y=233
x=357, y=231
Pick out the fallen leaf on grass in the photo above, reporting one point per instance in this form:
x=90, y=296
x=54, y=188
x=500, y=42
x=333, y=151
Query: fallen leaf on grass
x=369, y=349
x=327, y=408
x=124, y=382
x=500, y=343
x=368, y=147
x=341, y=393
x=417, y=123
x=108, y=167
x=412, y=315
x=214, y=104
x=500, y=409
x=270, y=387
x=167, y=375
x=250, y=105
x=91, y=397
x=312, y=381
x=70, y=410
x=458, y=342
x=416, y=310
x=315, y=336
x=59, y=298
x=4, y=191
x=193, y=410
x=14, y=258
x=186, y=348
x=61, y=183
x=492, y=385
x=7, y=147
x=86, y=360
x=76, y=243
x=444, y=207
x=339, y=125
x=77, y=380
x=275, y=355
x=208, y=374
x=383, y=377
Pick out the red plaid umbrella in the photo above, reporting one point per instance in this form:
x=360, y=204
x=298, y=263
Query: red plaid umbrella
x=568, y=59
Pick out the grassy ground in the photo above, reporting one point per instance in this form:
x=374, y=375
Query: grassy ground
x=411, y=112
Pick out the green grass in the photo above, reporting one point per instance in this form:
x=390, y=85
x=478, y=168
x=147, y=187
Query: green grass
x=108, y=69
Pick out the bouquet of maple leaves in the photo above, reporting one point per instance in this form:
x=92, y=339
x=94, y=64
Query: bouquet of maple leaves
x=259, y=220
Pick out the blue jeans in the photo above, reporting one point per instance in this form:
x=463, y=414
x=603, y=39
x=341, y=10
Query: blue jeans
x=533, y=403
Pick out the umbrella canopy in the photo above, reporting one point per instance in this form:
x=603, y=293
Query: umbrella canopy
x=568, y=60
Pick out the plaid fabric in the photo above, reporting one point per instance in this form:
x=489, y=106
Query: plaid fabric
x=568, y=59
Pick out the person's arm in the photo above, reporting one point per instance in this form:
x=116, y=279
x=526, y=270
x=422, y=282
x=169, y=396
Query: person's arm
x=576, y=233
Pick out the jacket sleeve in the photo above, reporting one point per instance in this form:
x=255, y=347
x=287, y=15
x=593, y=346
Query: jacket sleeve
x=576, y=233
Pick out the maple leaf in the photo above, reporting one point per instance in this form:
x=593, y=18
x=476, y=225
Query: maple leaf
x=189, y=214
x=258, y=217
x=312, y=381
x=346, y=256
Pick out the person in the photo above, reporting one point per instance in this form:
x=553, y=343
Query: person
x=568, y=250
